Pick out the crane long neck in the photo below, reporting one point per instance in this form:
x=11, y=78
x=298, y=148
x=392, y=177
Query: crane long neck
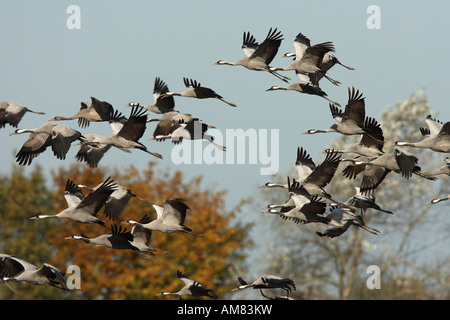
x=169, y=293
x=174, y=94
x=405, y=144
x=331, y=129
x=273, y=206
x=133, y=223
x=222, y=62
x=82, y=186
x=245, y=286
x=274, y=185
x=60, y=118
x=45, y=216
x=82, y=238
x=20, y=131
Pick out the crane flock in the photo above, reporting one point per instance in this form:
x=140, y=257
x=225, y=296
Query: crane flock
x=307, y=199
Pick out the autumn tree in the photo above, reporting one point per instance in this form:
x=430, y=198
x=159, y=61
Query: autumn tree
x=112, y=274
x=22, y=195
x=410, y=250
x=120, y=274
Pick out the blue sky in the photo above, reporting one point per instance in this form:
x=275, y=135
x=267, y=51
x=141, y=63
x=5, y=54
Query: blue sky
x=123, y=45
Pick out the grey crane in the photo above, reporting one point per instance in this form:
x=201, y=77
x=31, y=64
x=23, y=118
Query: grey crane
x=371, y=143
x=57, y=136
x=308, y=208
x=437, y=139
x=444, y=169
x=126, y=133
x=308, y=58
x=433, y=127
x=288, y=205
x=304, y=165
x=270, y=184
x=169, y=218
x=164, y=129
x=93, y=152
x=329, y=60
x=196, y=90
x=352, y=170
x=162, y=103
x=15, y=269
x=97, y=111
x=399, y=161
x=341, y=219
x=259, y=56
x=349, y=122
x=268, y=281
x=365, y=201
x=121, y=239
x=194, y=129
x=84, y=209
x=174, y=115
x=117, y=201
x=12, y=113
x=304, y=85
x=372, y=175
x=369, y=147
x=192, y=288
x=322, y=175
x=437, y=200
x=303, y=208
x=168, y=120
x=118, y=239
x=142, y=238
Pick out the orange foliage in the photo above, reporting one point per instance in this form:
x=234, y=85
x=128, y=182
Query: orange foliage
x=120, y=274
